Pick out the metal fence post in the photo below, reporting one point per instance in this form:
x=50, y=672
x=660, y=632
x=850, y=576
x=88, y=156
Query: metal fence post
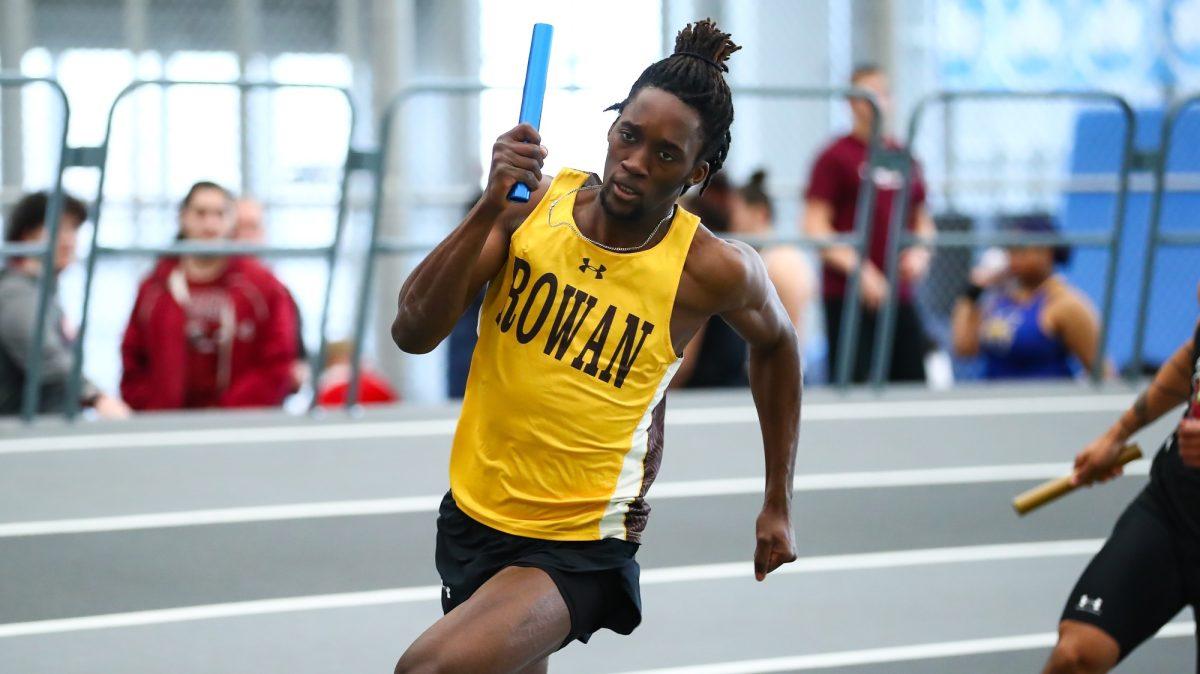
x=380, y=163
x=1155, y=237
x=864, y=212
x=47, y=282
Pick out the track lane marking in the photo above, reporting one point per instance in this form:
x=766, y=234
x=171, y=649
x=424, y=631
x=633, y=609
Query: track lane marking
x=660, y=576
x=915, y=477
x=307, y=431
x=908, y=653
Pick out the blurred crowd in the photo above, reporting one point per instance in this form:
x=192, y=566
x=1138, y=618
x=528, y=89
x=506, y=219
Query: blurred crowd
x=1017, y=315
x=206, y=331
x=221, y=331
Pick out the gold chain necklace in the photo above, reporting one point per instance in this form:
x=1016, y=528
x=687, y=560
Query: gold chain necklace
x=581, y=235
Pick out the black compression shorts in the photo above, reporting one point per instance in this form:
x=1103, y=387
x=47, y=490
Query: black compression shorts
x=1142, y=577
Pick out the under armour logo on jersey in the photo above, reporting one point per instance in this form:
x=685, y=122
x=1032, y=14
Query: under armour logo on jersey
x=1090, y=605
x=587, y=265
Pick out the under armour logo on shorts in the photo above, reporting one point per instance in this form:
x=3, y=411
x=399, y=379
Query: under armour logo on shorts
x=1089, y=605
x=587, y=265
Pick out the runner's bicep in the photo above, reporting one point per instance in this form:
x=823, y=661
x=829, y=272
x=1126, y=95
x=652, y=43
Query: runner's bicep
x=758, y=314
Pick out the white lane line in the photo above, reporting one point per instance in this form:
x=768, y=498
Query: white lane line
x=913, y=409
x=192, y=518
x=209, y=611
x=703, y=572
x=872, y=656
x=302, y=431
x=918, y=477
x=882, y=560
x=307, y=431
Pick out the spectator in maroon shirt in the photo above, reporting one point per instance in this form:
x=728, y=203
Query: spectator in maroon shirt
x=830, y=204
x=209, y=331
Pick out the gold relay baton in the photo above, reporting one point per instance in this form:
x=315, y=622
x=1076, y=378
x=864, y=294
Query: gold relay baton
x=1061, y=486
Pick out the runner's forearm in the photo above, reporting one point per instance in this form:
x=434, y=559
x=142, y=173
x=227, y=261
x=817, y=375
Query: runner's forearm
x=775, y=382
x=1169, y=388
x=436, y=293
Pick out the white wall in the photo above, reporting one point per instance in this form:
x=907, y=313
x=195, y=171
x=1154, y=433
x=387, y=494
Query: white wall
x=784, y=44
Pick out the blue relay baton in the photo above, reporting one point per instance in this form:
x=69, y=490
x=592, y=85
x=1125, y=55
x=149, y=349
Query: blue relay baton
x=535, y=90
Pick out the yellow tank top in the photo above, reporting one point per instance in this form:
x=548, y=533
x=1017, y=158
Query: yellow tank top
x=560, y=434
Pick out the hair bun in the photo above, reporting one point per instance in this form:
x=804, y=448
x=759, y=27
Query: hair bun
x=759, y=178
x=706, y=39
x=694, y=74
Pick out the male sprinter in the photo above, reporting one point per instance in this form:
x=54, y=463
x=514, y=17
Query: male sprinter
x=1149, y=568
x=596, y=286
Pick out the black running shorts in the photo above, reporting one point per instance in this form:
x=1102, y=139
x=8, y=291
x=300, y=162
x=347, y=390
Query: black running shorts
x=598, y=580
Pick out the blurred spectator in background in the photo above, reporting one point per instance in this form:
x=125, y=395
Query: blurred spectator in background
x=1025, y=320
x=788, y=268
x=248, y=221
x=830, y=206
x=334, y=385
x=209, y=331
x=18, y=313
x=248, y=228
x=717, y=356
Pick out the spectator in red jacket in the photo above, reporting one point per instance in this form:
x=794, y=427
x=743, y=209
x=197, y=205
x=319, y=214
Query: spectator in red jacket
x=209, y=331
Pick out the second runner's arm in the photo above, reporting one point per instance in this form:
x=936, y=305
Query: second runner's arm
x=1170, y=387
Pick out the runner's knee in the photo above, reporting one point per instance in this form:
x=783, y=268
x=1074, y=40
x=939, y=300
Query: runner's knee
x=1082, y=652
x=1072, y=658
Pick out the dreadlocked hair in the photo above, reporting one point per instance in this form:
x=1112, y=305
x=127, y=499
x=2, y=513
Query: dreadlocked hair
x=695, y=74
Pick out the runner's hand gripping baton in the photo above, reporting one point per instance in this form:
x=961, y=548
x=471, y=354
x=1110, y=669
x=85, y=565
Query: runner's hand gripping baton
x=535, y=91
x=1058, y=487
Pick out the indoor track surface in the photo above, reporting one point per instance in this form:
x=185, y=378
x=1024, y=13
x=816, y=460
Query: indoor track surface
x=265, y=543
